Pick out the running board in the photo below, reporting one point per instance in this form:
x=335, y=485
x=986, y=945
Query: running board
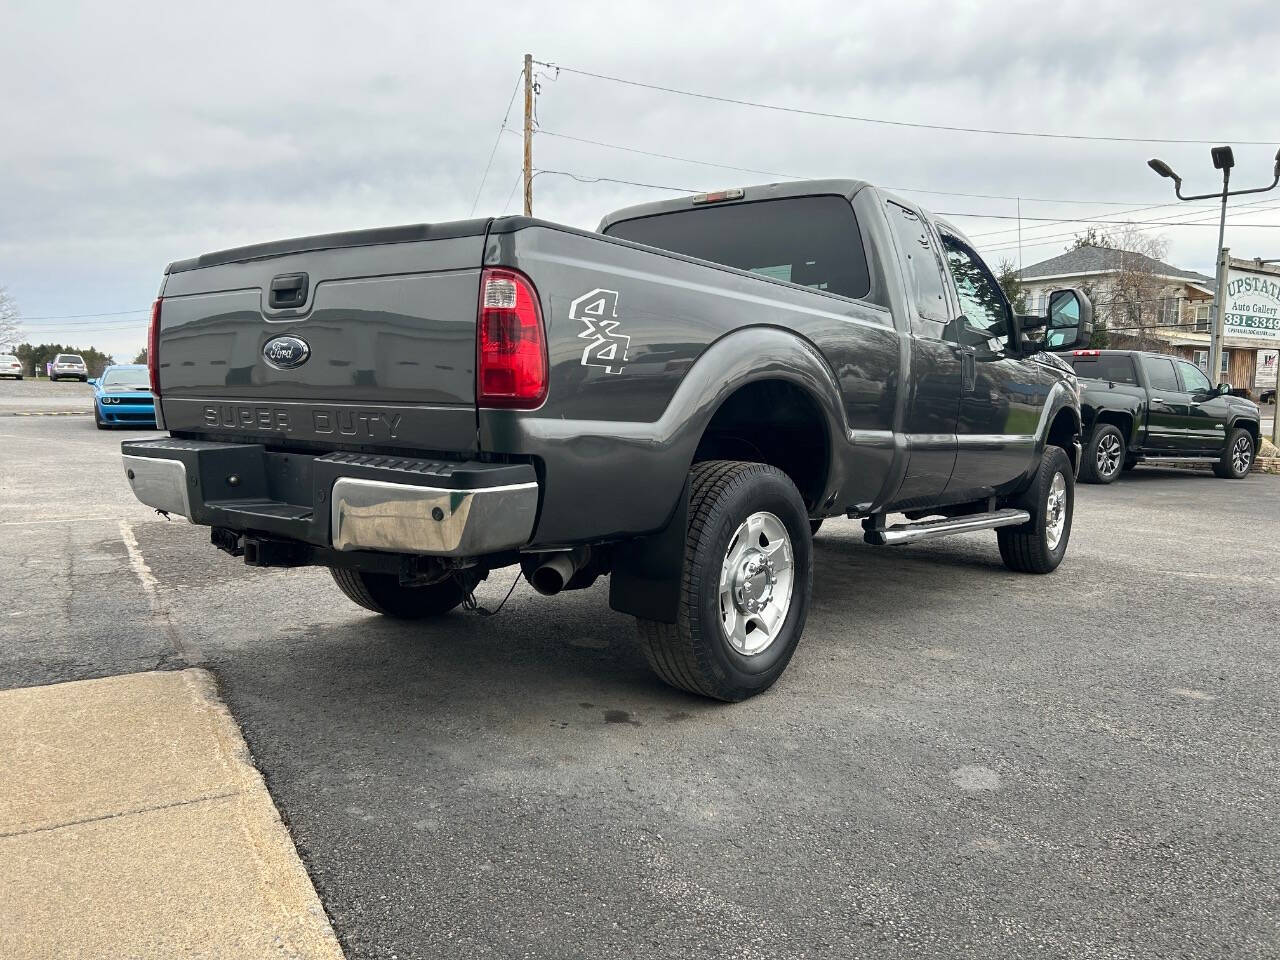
x=1148, y=458
x=944, y=527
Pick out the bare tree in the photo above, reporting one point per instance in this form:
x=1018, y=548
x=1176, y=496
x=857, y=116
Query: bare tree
x=10, y=325
x=1132, y=300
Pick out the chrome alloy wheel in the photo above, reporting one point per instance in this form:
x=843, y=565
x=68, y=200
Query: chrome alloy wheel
x=1055, y=511
x=1108, y=459
x=756, y=581
x=1242, y=455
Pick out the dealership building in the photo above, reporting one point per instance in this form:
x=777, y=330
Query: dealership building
x=1148, y=304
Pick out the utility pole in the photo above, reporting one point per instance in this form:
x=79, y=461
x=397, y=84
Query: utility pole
x=1224, y=160
x=528, y=135
x=1219, y=334
x=1219, y=287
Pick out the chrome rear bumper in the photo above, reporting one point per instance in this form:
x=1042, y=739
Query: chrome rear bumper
x=339, y=501
x=159, y=483
x=405, y=518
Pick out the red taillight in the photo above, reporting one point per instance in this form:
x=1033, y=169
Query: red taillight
x=153, y=349
x=511, y=368
x=1086, y=353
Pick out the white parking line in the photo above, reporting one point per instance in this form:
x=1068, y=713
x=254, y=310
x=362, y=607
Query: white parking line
x=185, y=648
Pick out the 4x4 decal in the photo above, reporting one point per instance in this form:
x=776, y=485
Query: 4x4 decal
x=599, y=311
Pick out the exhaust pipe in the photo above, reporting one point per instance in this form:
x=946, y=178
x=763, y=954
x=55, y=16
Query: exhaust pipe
x=551, y=576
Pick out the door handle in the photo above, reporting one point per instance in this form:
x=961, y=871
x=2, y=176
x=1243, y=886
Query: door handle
x=287, y=290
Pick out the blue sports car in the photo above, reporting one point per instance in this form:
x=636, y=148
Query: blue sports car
x=122, y=397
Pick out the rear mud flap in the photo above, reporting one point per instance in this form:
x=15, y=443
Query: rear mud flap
x=647, y=571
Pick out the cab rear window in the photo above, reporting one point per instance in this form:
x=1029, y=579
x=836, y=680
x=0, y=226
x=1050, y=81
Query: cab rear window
x=811, y=241
x=1116, y=369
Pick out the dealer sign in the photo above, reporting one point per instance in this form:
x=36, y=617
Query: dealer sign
x=1253, y=302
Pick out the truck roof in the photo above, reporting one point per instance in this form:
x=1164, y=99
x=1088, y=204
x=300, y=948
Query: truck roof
x=769, y=191
x=764, y=191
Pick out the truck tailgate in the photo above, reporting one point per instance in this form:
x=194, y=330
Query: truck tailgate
x=378, y=349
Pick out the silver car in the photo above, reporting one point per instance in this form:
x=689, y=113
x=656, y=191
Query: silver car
x=9, y=366
x=69, y=366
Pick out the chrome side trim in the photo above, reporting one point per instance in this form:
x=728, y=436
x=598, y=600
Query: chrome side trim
x=159, y=482
x=945, y=527
x=406, y=518
x=871, y=438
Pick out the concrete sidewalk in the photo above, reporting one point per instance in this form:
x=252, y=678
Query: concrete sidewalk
x=133, y=824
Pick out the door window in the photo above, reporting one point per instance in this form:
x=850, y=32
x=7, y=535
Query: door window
x=1193, y=381
x=984, y=311
x=1114, y=367
x=924, y=270
x=1160, y=373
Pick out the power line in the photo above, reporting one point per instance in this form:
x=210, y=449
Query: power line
x=796, y=176
x=581, y=178
x=1162, y=218
x=496, y=140
x=1004, y=245
x=1161, y=223
x=893, y=123
x=76, y=316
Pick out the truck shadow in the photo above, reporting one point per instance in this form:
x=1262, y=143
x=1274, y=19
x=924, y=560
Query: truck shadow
x=571, y=661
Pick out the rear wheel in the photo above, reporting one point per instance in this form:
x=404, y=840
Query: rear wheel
x=1237, y=456
x=383, y=593
x=744, y=592
x=1104, y=455
x=1039, y=545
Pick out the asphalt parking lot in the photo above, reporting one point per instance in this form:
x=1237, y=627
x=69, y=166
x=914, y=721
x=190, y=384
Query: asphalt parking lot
x=960, y=761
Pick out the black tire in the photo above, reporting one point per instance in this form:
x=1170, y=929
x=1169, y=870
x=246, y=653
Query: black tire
x=694, y=653
x=814, y=527
x=1026, y=548
x=1104, y=455
x=97, y=421
x=1237, y=456
x=382, y=593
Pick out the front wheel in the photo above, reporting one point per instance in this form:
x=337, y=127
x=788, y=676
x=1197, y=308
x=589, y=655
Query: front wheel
x=744, y=593
x=383, y=593
x=1104, y=455
x=1237, y=456
x=1039, y=545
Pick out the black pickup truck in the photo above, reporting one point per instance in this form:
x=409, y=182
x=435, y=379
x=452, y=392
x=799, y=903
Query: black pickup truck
x=1148, y=407
x=675, y=400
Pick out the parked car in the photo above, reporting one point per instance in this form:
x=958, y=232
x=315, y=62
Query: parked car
x=122, y=397
x=68, y=366
x=672, y=401
x=1147, y=407
x=10, y=366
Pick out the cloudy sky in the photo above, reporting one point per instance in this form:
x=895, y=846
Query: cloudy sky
x=136, y=134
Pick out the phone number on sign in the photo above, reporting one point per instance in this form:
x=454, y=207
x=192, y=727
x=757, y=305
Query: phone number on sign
x=1257, y=326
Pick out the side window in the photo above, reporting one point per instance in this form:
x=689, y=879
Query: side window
x=1193, y=381
x=984, y=311
x=1160, y=374
x=924, y=270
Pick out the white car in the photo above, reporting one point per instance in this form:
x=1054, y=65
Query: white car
x=9, y=366
x=70, y=366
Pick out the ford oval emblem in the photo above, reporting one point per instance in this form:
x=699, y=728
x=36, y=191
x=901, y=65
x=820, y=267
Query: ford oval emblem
x=285, y=353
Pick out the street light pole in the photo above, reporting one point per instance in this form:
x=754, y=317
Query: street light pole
x=1223, y=159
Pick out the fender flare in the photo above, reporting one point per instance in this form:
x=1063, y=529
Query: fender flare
x=1059, y=399
x=647, y=570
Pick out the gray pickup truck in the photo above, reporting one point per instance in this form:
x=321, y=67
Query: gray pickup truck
x=675, y=401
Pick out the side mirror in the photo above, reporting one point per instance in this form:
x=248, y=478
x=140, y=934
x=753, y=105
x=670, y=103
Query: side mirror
x=1224, y=389
x=1069, y=320
x=93, y=381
